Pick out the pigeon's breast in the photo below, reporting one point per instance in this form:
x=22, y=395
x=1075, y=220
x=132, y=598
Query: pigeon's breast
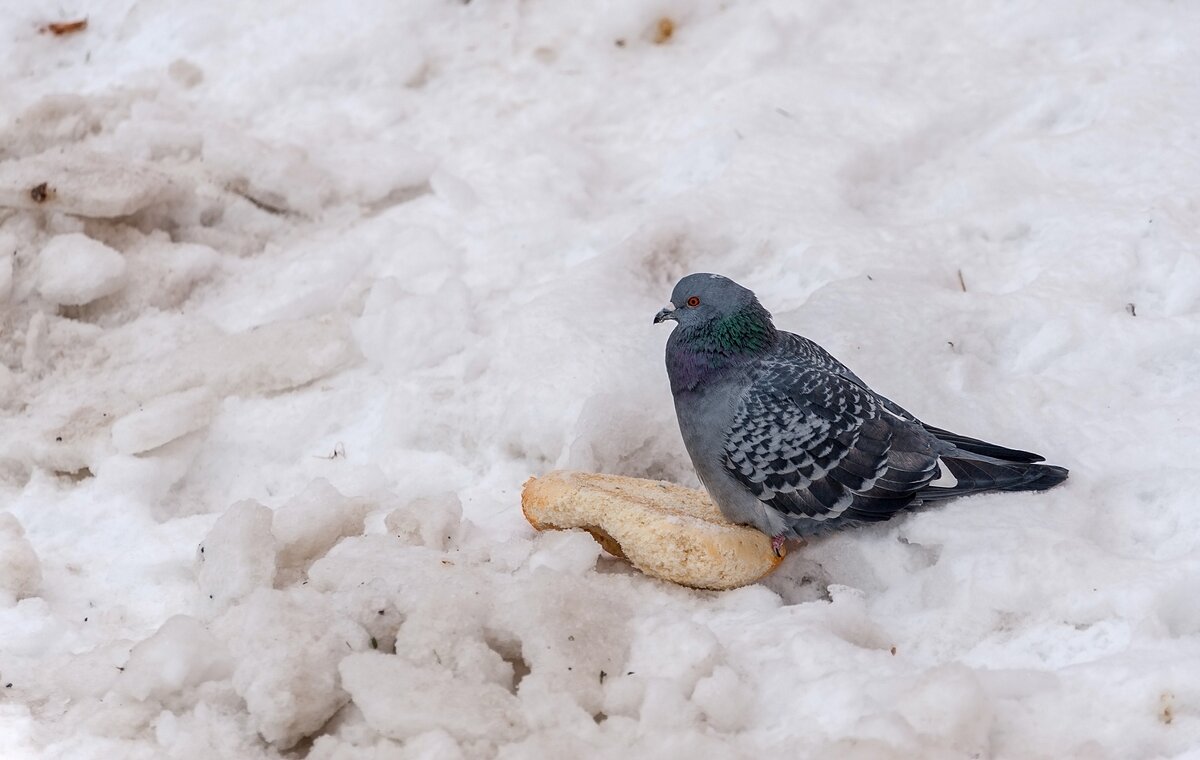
x=705, y=416
x=706, y=412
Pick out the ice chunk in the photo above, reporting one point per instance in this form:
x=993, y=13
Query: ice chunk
x=724, y=699
x=273, y=357
x=401, y=700
x=507, y=556
x=180, y=655
x=163, y=420
x=20, y=571
x=80, y=183
x=665, y=707
x=163, y=274
x=266, y=359
x=451, y=635
x=276, y=178
x=287, y=645
x=238, y=554
x=8, y=245
x=383, y=179
x=430, y=521
x=186, y=263
x=312, y=522
x=91, y=674
x=74, y=269
x=567, y=552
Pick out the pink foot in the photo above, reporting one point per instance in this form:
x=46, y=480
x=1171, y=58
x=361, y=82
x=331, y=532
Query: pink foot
x=777, y=543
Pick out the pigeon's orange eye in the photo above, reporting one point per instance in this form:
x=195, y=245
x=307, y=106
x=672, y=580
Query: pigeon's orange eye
x=693, y=302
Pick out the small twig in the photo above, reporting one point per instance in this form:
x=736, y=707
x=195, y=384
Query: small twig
x=261, y=204
x=1132, y=309
x=961, y=282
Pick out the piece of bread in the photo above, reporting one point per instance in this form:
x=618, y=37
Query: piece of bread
x=663, y=529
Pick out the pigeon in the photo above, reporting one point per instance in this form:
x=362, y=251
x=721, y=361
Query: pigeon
x=788, y=440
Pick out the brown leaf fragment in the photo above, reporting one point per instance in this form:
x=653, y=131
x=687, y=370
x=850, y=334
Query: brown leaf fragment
x=41, y=193
x=60, y=28
x=663, y=31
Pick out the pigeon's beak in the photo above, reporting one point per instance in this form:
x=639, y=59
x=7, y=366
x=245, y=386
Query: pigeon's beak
x=665, y=314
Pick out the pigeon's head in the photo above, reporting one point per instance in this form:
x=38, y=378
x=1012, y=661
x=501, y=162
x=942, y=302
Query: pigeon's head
x=702, y=298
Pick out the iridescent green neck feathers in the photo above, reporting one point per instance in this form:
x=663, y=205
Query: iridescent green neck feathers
x=746, y=331
x=698, y=353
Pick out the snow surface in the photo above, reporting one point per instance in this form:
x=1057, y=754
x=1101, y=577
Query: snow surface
x=74, y=269
x=383, y=261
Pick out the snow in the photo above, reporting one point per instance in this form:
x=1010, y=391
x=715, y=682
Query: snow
x=181, y=655
x=238, y=555
x=431, y=700
x=316, y=288
x=162, y=420
x=81, y=184
x=20, y=573
x=308, y=526
x=287, y=645
x=429, y=521
x=7, y=243
x=74, y=269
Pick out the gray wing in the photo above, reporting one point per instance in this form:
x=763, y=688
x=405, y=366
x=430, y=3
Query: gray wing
x=822, y=450
x=813, y=353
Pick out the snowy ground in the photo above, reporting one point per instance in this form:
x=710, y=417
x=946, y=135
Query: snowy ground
x=309, y=281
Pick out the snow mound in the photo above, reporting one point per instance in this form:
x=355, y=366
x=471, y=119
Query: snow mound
x=237, y=556
x=311, y=523
x=82, y=184
x=74, y=269
x=20, y=571
x=162, y=420
x=180, y=656
x=430, y=521
x=402, y=701
x=289, y=682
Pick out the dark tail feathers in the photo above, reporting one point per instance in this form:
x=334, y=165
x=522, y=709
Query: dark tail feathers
x=976, y=446
x=979, y=466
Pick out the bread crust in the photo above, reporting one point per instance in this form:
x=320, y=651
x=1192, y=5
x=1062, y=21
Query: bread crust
x=663, y=529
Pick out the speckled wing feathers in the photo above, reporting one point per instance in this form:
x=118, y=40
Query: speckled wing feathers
x=818, y=447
